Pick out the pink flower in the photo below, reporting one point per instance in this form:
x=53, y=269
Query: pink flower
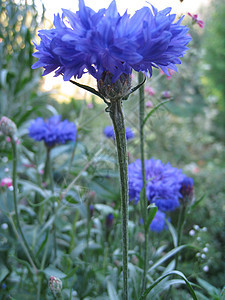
x=90, y=105
x=166, y=94
x=149, y=104
x=195, y=20
x=6, y=182
x=150, y=91
x=8, y=139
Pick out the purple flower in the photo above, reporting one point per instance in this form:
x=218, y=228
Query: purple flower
x=163, y=183
x=105, y=41
x=187, y=189
x=52, y=131
x=158, y=223
x=109, y=132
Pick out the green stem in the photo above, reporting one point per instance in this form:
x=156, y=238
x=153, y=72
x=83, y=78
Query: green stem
x=28, y=251
x=117, y=117
x=180, y=224
x=48, y=172
x=143, y=198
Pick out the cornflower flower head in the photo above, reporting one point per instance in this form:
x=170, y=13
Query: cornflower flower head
x=109, y=132
x=109, y=46
x=52, y=131
x=187, y=190
x=163, y=183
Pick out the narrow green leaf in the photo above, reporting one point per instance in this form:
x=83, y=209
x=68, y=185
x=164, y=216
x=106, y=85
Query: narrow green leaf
x=151, y=214
x=153, y=110
x=167, y=256
x=42, y=244
x=173, y=233
x=164, y=285
x=196, y=203
x=3, y=272
x=147, y=291
x=212, y=290
x=112, y=291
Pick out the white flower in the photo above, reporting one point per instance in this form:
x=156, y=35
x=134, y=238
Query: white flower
x=203, y=256
x=4, y=226
x=191, y=232
x=205, y=249
x=205, y=268
x=5, y=159
x=196, y=227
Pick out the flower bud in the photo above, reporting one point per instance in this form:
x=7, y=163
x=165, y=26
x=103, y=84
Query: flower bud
x=55, y=285
x=91, y=210
x=187, y=190
x=109, y=221
x=114, y=90
x=7, y=126
x=7, y=181
x=140, y=237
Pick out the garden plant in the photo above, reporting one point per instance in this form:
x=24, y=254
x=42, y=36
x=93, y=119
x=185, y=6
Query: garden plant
x=117, y=196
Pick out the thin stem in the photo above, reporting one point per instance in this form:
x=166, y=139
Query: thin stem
x=117, y=117
x=48, y=172
x=144, y=198
x=28, y=251
x=180, y=224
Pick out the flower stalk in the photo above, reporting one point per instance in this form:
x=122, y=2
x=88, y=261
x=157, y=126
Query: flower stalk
x=143, y=199
x=24, y=243
x=116, y=114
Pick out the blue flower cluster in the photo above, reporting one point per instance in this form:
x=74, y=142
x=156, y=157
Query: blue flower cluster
x=109, y=132
x=52, y=131
x=163, y=183
x=105, y=41
x=163, y=187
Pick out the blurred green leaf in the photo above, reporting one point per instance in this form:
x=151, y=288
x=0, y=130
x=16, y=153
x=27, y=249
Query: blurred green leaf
x=112, y=291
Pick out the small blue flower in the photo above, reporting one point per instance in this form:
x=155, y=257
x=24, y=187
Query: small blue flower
x=52, y=131
x=4, y=286
x=158, y=224
x=105, y=41
x=109, y=132
x=163, y=183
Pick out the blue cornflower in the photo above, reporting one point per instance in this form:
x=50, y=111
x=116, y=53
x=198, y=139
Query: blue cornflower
x=109, y=132
x=52, y=131
x=187, y=190
x=105, y=41
x=163, y=183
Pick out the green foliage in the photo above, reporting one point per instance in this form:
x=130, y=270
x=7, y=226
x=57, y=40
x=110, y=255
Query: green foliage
x=214, y=58
x=215, y=51
x=18, y=82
